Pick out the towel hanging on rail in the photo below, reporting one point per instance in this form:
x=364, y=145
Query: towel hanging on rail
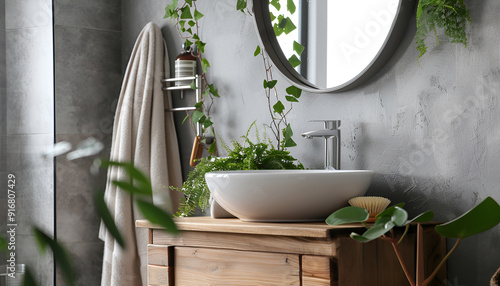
x=145, y=135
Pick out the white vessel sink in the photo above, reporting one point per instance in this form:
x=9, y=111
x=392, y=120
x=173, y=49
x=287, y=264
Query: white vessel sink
x=286, y=195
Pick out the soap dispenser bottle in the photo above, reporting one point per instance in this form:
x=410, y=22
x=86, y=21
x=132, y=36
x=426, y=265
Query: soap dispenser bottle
x=185, y=65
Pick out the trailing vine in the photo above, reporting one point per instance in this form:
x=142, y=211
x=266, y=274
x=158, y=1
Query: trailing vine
x=450, y=15
x=186, y=18
x=279, y=125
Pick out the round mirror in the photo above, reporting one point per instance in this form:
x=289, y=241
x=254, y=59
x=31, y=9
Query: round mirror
x=328, y=45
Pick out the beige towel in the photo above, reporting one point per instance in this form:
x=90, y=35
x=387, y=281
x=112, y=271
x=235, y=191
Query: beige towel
x=145, y=135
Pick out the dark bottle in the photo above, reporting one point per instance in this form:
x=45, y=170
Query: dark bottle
x=185, y=65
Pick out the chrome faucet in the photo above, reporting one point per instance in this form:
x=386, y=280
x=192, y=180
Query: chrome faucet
x=331, y=133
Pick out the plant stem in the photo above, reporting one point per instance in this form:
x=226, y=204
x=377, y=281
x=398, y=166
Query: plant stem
x=404, y=233
x=401, y=262
x=428, y=280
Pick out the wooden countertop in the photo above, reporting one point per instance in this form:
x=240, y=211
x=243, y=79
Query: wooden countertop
x=233, y=225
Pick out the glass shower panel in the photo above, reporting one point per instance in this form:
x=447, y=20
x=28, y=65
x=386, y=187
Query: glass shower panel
x=27, y=129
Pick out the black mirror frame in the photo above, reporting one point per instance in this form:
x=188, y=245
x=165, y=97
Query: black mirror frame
x=270, y=43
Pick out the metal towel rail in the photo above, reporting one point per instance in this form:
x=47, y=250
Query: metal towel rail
x=197, y=83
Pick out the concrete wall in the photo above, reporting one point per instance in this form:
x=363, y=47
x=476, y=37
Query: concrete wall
x=428, y=128
x=87, y=37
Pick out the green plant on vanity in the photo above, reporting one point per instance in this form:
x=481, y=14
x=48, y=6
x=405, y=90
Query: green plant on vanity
x=484, y=216
x=247, y=156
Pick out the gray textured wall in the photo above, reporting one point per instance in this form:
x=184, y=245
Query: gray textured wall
x=87, y=38
x=429, y=128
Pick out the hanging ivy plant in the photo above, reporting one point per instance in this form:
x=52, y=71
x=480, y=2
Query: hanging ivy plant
x=186, y=17
x=450, y=15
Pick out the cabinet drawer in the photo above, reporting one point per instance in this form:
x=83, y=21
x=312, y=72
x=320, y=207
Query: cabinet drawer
x=201, y=266
x=160, y=275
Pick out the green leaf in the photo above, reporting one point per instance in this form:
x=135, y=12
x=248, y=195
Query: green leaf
x=3, y=245
x=169, y=13
x=399, y=216
x=197, y=116
x=265, y=84
x=257, y=51
x=359, y=238
x=157, y=216
x=287, y=135
x=107, y=218
x=294, y=61
x=207, y=122
x=197, y=15
x=191, y=23
x=288, y=142
x=205, y=65
x=396, y=214
x=481, y=218
x=201, y=46
x=291, y=98
x=212, y=148
x=241, y=5
x=382, y=220
x=294, y=91
x=186, y=13
x=198, y=105
x=374, y=232
x=298, y=48
x=182, y=23
x=192, y=85
x=287, y=25
x=28, y=279
x=188, y=43
x=290, y=6
x=348, y=215
x=276, y=4
x=131, y=189
x=132, y=171
x=272, y=16
x=170, y=10
x=423, y=217
x=271, y=84
x=278, y=107
x=213, y=90
x=195, y=36
x=190, y=2
x=277, y=30
x=390, y=210
x=60, y=255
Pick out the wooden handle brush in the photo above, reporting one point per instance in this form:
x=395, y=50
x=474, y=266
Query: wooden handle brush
x=197, y=151
x=374, y=205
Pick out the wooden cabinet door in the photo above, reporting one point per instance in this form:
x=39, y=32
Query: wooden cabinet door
x=203, y=266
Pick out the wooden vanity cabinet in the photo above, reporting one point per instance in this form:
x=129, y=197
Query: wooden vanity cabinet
x=231, y=252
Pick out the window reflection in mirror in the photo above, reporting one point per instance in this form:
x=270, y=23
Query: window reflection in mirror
x=339, y=38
